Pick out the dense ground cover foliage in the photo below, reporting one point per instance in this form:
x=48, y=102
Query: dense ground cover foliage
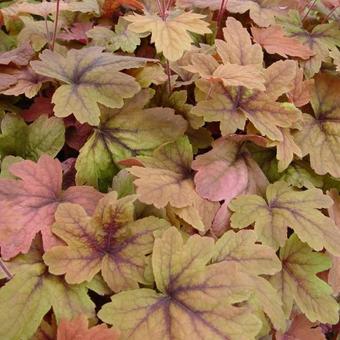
x=170, y=169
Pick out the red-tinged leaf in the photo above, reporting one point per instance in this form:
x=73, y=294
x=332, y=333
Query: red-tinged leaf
x=40, y=106
x=273, y=40
x=111, y=6
x=20, y=56
x=301, y=92
x=78, y=329
x=27, y=205
x=301, y=329
x=110, y=242
x=223, y=173
x=334, y=271
x=77, y=32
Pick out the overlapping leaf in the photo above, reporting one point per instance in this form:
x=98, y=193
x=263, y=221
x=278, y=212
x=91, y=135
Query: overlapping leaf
x=286, y=207
x=297, y=282
x=44, y=136
x=90, y=76
x=32, y=292
x=28, y=204
x=170, y=35
x=192, y=299
x=125, y=133
x=232, y=106
x=320, y=134
x=110, y=241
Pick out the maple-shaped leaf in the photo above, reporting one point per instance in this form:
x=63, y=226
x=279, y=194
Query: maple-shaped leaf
x=301, y=92
x=28, y=204
x=262, y=12
x=166, y=177
x=286, y=207
x=32, y=292
x=170, y=35
x=320, y=40
x=298, y=282
x=111, y=6
x=125, y=133
x=320, y=133
x=191, y=300
x=110, y=241
x=90, y=76
x=301, y=329
x=273, y=40
x=253, y=260
x=19, y=56
x=121, y=38
x=40, y=106
x=225, y=171
x=232, y=106
x=44, y=136
x=241, y=60
x=78, y=328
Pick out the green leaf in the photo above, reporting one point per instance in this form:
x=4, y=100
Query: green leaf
x=192, y=299
x=90, y=76
x=44, y=136
x=284, y=208
x=125, y=133
x=298, y=282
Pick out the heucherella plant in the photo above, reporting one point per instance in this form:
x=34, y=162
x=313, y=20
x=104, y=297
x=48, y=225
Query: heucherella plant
x=169, y=169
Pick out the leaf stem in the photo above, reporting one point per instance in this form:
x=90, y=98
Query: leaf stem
x=329, y=14
x=223, y=7
x=168, y=72
x=309, y=9
x=56, y=25
x=4, y=268
x=47, y=33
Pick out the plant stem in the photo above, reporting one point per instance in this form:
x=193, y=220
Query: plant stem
x=47, y=33
x=221, y=14
x=309, y=9
x=55, y=25
x=168, y=72
x=4, y=268
x=329, y=14
x=160, y=9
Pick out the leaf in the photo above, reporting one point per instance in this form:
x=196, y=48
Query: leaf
x=171, y=35
x=301, y=92
x=78, y=329
x=253, y=260
x=77, y=32
x=334, y=214
x=301, y=329
x=320, y=40
x=122, y=38
x=273, y=40
x=124, y=133
x=110, y=242
x=90, y=76
x=44, y=136
x=298, y=282
x=224, y=172
x=19, y=56
x=32, y=292
x=166, y=177
x=287, y=207
x=192, y=300
x=320, y=133
x=110, y=6
x=335, y=54
x=27, y=205
x=262, y=12
x=233, y=106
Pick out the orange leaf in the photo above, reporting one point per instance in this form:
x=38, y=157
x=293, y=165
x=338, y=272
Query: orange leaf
x=77, y=329
x=110, y=6
x=273, y=40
